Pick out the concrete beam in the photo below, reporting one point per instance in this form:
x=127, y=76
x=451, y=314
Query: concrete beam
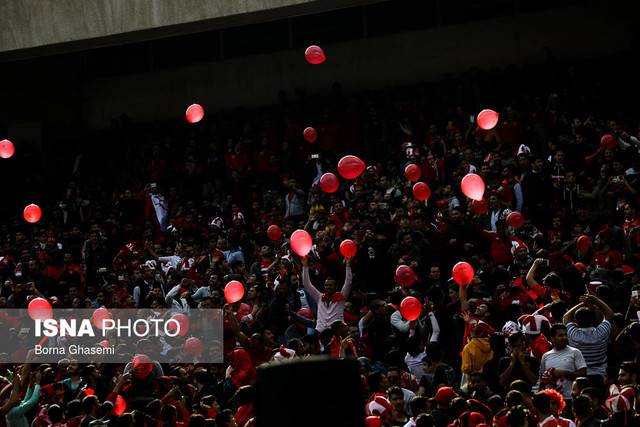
x=41, y=27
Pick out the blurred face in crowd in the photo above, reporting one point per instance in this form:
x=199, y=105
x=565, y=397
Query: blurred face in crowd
x=434, y=272
x=560, y=339
x=329, y=286
x=625, y=378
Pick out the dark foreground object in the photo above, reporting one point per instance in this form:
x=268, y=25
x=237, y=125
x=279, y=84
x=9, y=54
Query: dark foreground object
x=311, y=392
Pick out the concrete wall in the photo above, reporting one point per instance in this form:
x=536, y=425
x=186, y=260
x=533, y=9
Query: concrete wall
x=599, y=27
x=60, y=25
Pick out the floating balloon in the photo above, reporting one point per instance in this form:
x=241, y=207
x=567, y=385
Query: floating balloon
x=462, y=273
x=608, y=141
x=40, y=309
x=412, y=172
x=195, y=113
x=310, y=134
x=32, y=213
x=350, y=167
x=515, y=219
x=120, y=406
x=479, y=207
x=142, y=366
x=89, y=391
x=583, y=243
x=180, y=324
x=301, y=242
x=410, y=308
x=99, y=316
x=233, y=292
x=348, y=248
x=6, y=149
x=487, y=119
x=314, y=55
x=421, y=191
x=405, y=276
x=472, y=186
x=274, y=232
x=329, y=183
x=193, y=346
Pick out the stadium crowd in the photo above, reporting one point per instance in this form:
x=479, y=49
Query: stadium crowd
x=546, y=334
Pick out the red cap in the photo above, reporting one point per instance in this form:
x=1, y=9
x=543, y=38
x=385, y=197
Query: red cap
x=445, y=395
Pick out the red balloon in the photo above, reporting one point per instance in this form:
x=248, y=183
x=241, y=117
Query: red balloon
x=350, y=167
x=608, y=141
x=120, y=406
x=583, y=243
x=479, y=207
x=410, y=308
x=233, y=292
x=182, y=326
x=310, y=134
x=487, y=119
x=473, y=186
x=421, y=191
x=412, y=172
x=193, y=346
x=405, y=276
x=301, y=242
x=32, y=213
x=99, y=316
x=89, y=391
x=6, y=149
x=329, y=183
x=462, y=273
x=314, y=55
x=274, y=232
x=515, y=219
x=40, y=309
x=142, y=366
x=348, y=248
x=195, y=113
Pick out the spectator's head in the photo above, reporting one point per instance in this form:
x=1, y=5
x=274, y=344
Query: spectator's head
x=419, y=405
x=478, y=382
x=559, y=336
x=55, y=414
x=628, y=374
x=396, y=397
x=514, y=398
x=444, y=396
x=330, y=286
x=557, y=402
x=378, y=382
x=579, y=384
x=582, y=407
x=393, y=376
x=542, y=404
x=424, y=420
x=585, y=318
x=169, y=414
x=595, y=395
x=517, y=417
x=90, y=405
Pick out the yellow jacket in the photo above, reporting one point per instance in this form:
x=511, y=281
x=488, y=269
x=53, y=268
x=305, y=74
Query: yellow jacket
x=475, y=355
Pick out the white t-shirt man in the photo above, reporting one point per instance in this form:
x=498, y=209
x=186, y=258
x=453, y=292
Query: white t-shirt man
x=568, y=359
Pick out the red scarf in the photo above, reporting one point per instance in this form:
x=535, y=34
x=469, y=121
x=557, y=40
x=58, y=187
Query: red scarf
x=335, y=297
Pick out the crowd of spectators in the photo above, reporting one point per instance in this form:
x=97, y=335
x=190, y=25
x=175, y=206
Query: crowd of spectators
x=545, y=334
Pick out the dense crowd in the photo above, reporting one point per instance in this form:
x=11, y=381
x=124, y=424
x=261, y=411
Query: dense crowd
x=547, y=333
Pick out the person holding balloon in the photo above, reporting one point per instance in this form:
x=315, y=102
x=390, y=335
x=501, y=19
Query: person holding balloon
x=331, y=301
